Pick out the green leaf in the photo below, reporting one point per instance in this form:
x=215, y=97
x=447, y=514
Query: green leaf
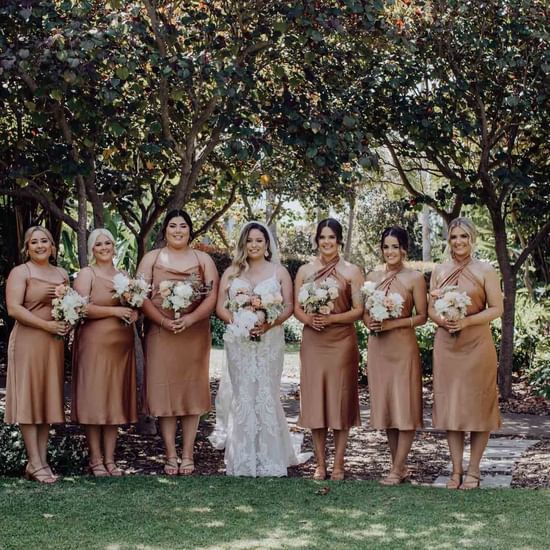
x=116, y=129
x=123, y=73
x=56, y=94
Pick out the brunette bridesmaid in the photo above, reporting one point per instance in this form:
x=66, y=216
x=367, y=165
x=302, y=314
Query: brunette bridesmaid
x=393, y=361
x=329, y=353
x=464, y=357
x=104, y=369
x=34, y=392
x=177, y=351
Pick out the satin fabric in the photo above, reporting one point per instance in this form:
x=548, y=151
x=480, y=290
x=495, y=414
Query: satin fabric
x=34, y=386
x=329, y=367
x=394, y=369
x=104, y=365
x=465, y=365
x=176, y=365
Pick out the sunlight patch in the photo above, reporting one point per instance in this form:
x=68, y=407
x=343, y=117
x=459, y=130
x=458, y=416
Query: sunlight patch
x=200, y=510
x=215, y=523
x=245, y=509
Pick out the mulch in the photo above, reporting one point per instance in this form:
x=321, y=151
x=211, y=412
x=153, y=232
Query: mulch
x=367, y=456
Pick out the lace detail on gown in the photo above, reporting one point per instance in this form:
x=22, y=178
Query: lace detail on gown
x=250, y=421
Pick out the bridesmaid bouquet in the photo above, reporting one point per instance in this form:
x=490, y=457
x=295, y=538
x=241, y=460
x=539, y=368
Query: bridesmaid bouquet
x=179, y=295
x=68, y=305
x=130, y=292
x=379, y=305
x=318, y=297
x=451, y=304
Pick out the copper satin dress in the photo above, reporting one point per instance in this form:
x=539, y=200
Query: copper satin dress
x=104, y=364
x=394, y=369
x=34, y=387
x=465, y=365
x=329, y=367
x=176, y=365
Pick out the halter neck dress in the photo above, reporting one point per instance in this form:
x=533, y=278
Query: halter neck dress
x=176, y=365
x=34, y=386
x=394, y=369
x=465, y=364
x=104, y=364
x=329, y=366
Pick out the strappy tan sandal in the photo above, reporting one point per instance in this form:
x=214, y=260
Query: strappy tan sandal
x=113, y=469
x=467, y=485
x=393, y=478
x=455, y=480
x=187, y=466
x=98, y=470
x=320, y=473
x=45, y=478
x=171, y=466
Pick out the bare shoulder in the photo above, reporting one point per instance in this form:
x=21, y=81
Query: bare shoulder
x=282, y=271
x=351, y=270
x=307, y=269
x=375, y=275
x=413, y=274
x=483, y=266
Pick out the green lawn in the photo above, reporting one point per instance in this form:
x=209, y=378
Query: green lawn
x=156, y=513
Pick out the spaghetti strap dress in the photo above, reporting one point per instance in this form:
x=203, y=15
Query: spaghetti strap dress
x=329, y=366
x=34, y=386
x=104, y=364
x=465, y=365
x=176, y=365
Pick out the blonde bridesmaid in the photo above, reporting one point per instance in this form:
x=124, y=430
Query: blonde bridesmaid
x=329, y=353
x=177, y=351
x=393, y=361
x=104, y=368
x=464, y=357
x=34, y=392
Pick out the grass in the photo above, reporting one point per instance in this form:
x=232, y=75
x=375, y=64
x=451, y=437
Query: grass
x=227, y=513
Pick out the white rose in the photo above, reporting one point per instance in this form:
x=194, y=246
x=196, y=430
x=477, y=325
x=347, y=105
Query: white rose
x=303, y=295
x=333, y=292
x=321, y=293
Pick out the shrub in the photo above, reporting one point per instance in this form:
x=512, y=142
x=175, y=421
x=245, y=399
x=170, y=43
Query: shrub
x=217, y=328
x=67, y=453
x=293, y=330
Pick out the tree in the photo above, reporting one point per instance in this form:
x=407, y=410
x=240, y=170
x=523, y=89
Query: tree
x=464, y=87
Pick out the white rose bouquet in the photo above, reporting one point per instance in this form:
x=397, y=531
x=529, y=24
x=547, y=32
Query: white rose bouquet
x=250, y=310
x=451, y=304
x=68, y=305
x=179, y=295
x=130, y=292
x=379, y=305
x=318, y=297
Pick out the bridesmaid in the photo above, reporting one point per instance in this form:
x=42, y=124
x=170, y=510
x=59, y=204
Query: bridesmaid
x=465, y=359
x=393, y=361
x=177, y=351
x=34, y=392
x=104, y=368
x=329, y=353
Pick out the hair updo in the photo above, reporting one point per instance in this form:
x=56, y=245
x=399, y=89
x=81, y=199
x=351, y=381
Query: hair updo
x=398, y=233
x=332, y=224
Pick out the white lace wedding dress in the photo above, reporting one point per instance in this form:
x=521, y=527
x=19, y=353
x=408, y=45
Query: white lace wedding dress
x=250, y=421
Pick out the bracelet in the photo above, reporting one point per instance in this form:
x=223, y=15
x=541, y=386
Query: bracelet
x=411, y=322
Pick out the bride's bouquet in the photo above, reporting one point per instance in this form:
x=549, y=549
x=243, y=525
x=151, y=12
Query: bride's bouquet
x=379, y=305
x=179, y=295
x=318, y=297
x=130, y=292
x=451, y=304
x=68, y=305
x=250, y=310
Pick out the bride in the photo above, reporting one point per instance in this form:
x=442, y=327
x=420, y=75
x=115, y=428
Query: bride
x=250, y=422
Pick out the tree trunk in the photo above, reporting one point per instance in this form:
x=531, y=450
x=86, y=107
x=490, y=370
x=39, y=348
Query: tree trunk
x=426, y=242
x=509, y=286
x=351, y=222
x=82, y=222
x=506, y=358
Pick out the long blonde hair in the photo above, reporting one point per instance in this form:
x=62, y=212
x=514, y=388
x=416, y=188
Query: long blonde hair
x=28, y=236
x=240, y=262
x=469, y=228
x=93, y=238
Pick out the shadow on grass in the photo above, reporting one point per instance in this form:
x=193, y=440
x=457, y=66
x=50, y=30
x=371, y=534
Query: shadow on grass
x=229, y=514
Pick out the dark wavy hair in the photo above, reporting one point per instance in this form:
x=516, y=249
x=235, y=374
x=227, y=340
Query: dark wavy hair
x=399, y=233
x=176, y=213
x=333, y=224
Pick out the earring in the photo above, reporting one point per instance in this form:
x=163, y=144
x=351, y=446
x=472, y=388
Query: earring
x=266, y=254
